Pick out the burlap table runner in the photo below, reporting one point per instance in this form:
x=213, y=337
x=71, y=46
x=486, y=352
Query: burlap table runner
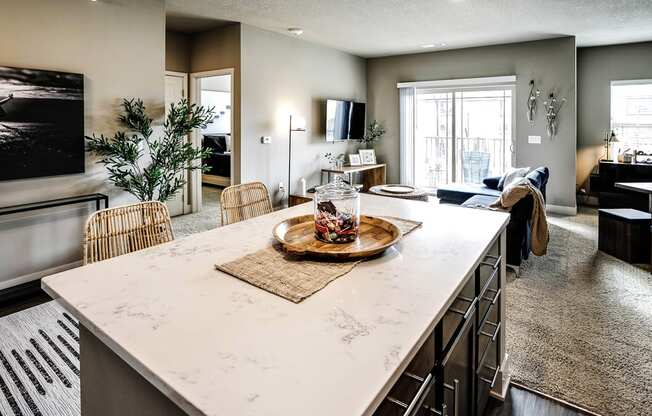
x=293, y=277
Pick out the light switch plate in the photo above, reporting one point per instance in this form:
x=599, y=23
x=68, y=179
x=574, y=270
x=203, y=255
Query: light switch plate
x=266, y=139
x=534, y=139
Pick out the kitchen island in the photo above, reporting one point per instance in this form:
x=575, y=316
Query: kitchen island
x=164, y=333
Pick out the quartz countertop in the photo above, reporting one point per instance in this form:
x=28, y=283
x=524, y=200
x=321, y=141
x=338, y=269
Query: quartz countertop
x=216, y=345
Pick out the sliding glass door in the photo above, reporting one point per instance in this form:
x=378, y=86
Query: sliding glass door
x=461, y=134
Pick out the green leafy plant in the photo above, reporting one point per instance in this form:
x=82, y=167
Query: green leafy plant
x=159, y=176
x=335, y=160
x=375, y=131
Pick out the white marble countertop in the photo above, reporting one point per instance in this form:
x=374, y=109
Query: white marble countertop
x=216, y=345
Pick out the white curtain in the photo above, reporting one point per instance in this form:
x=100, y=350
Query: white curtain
x=407, y=119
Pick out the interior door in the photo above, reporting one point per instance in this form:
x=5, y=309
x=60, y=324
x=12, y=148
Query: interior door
x=175, y=90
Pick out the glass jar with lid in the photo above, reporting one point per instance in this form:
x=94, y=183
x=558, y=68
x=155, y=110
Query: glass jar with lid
x=337, y=212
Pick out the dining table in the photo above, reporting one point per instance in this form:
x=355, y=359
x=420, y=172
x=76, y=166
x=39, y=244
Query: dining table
x=162, y=332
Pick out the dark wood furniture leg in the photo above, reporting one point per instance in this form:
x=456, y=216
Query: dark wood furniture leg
x=374, y=177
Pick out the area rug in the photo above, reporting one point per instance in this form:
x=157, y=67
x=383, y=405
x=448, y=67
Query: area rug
x=579, y=323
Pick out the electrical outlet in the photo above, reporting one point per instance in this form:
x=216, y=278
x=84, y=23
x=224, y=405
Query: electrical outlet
x=281, y=188
x=534, y=139
x=266, y=139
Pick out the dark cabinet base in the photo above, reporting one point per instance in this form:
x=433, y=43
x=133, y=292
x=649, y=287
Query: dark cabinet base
x=458, y=367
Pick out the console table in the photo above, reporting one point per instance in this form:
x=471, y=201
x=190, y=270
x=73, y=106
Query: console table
x=33, y=287
x=32, y=206
x=611, y=196
x=372, y=174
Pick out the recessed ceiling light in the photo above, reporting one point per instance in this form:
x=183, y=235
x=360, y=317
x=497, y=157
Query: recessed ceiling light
x=296, y=31
x=428, y=45
x=442, y=44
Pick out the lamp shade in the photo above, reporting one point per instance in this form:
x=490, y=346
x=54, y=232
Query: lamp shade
x=298, y=123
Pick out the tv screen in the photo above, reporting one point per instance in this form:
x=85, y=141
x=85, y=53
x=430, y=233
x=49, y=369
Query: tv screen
x=345, y=120
x=41, y=123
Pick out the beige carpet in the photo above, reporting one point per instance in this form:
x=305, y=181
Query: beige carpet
x=580, y=323
x=204, y=220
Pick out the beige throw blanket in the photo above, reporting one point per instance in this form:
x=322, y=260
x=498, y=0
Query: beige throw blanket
x=539, y=223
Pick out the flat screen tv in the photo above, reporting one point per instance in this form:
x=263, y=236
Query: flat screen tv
x=345, y=120
x=41, y=123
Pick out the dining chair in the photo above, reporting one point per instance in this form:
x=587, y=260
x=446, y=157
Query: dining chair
x=244, y=201
x=116, y=231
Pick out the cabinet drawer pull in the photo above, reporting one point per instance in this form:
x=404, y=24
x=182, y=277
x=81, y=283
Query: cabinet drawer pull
x=493, y=265
x=455, y=388
x=468, y=311
x=485, y=288
x=495, y=334
x=495, y=298
x=417, y=402
x=486, y=351
x=450, y=348
x=492, y=382
x=442, y=412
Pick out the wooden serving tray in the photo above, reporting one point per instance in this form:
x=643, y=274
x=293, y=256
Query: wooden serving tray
x=297, y=235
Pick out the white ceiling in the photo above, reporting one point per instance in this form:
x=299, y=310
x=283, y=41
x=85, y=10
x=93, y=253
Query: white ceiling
x=386, y=27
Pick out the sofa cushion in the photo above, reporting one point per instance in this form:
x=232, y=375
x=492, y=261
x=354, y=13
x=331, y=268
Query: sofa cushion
x=479, y=201
x=457, y=193
x=491, y=182
x=539, y=178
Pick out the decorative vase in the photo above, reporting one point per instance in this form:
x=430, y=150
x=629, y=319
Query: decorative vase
x=551, y=129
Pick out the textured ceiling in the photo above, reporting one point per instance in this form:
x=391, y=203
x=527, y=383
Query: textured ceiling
x=386, y=27
x=191, y=24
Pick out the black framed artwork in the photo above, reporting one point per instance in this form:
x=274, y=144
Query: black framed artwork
x=41, y=123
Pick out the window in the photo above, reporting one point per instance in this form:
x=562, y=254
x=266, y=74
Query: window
x=455, y=133
x=631, y=113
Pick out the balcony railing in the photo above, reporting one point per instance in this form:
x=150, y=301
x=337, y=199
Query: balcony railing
x=477, y=158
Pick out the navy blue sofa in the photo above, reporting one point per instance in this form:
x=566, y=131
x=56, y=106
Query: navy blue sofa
x=518, y=229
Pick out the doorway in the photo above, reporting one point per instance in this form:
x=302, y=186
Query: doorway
x=213, y=89
x=176, y=90
x=462, y=134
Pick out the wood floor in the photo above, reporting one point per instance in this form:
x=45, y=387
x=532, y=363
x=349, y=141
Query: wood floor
x=22, y=297
x=523, y=403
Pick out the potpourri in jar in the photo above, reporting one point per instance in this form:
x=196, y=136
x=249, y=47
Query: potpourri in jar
x=332, y=226
x=337, y=212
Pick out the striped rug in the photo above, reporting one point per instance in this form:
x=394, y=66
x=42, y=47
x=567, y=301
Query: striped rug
x=39, y=362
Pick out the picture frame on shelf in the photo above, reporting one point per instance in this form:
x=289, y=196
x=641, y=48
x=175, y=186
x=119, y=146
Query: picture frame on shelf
x=367, y=156
x=355, y=160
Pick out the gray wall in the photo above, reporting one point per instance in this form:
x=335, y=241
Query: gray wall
x=220, y=49
x=177, y=51
x=98, y=40
x=283, y=75
x=551, y=63
x=596, y=68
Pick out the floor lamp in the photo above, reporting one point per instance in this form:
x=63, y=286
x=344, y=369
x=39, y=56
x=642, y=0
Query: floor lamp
x=299, y=125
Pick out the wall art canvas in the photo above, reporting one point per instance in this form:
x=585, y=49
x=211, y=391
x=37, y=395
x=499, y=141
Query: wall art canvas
x=41, y=123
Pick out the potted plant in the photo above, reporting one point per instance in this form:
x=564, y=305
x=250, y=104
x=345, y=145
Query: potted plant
x=152, y=168
x=375, y=131
x=336, y=161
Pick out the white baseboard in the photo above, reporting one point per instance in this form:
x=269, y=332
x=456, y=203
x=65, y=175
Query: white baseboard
x=37, y=275
x=561, y=209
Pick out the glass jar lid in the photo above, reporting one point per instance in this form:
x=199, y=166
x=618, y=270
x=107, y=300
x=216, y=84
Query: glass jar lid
x=337, y=189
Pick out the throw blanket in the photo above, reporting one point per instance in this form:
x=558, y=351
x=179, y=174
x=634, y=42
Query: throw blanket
x=539, y=223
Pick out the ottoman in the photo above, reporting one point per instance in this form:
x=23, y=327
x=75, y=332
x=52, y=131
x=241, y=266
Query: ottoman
x=625, y=233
